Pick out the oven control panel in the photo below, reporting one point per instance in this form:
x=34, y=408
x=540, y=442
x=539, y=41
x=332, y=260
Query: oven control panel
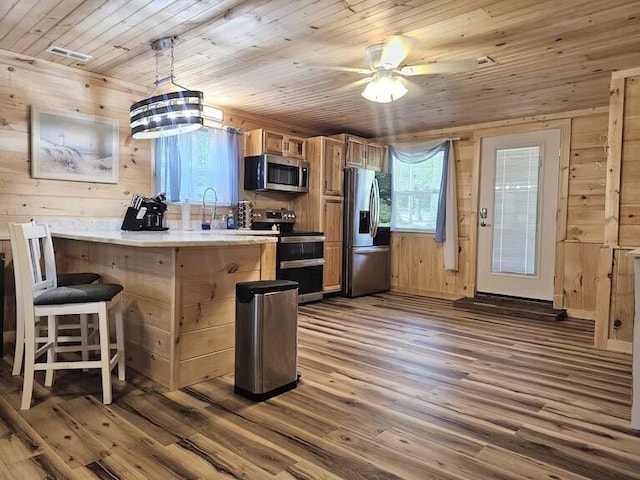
x=262, y=215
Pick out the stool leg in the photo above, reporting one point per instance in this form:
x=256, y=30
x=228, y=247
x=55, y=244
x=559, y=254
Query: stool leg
x=103, y=326
x=120, y=343
x=17, y=358
x=52, y=337
x=27, y=384
x=84, y=338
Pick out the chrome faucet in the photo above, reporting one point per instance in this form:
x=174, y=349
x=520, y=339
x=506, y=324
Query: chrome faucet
x=205, y=225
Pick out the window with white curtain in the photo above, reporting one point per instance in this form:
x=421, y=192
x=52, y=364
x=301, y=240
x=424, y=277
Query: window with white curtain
x=187, y=164
x=416, y=188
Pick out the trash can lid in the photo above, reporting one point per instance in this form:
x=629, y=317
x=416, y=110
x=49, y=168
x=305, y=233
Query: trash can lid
x=246, y=290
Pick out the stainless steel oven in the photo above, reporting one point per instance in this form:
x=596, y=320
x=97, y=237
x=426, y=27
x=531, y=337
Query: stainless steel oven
x=299, y=255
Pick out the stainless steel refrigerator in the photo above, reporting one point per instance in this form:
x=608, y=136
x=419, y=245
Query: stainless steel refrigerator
x=367, y=222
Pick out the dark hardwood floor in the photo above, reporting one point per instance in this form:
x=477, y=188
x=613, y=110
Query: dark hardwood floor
x=393, y=387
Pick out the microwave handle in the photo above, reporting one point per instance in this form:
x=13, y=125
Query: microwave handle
x=304, y=177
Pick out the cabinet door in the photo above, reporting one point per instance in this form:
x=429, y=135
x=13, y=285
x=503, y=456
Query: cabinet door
x=332, y=224
x=332, y=272
x=273, y=143
x=374, y=156
x=333, y=164
x=355, y=151
x=294, y=147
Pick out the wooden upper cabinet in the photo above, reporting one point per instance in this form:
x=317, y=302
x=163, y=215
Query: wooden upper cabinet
x=374, y=157
x=362, y=153
x=262, y=141
x=333, y=163
x=355, y=151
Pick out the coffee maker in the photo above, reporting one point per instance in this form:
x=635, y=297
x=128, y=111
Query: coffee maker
x=146, y=213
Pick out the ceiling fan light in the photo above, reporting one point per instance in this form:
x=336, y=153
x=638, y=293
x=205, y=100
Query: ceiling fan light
x=384, y=89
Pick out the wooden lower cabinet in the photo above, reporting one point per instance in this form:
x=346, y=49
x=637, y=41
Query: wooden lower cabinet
x=332, y=281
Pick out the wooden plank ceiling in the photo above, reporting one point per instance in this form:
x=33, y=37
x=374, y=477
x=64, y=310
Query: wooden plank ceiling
x=274, y=58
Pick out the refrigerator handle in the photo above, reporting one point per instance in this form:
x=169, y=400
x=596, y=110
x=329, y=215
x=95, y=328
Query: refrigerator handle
x=376, y=193
x=372, y=208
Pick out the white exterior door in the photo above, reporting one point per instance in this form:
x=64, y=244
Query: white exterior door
x=517, y=214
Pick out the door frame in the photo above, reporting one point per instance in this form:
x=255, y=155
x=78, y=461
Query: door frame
x=564, y=125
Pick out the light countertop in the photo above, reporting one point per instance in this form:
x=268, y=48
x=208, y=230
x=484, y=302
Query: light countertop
x=169, y=238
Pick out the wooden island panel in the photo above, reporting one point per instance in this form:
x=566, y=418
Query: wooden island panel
x=147, y=275
x=206, y=279
x=179, y=302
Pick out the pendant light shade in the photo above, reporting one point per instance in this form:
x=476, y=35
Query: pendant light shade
x=384, y=87
x=167, y=114
x=170, y=113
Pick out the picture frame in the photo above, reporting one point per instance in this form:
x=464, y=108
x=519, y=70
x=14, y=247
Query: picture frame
x=74, y=146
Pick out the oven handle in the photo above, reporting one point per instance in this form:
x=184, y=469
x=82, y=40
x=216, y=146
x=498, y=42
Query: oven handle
x=308, y=239
x=312, y=262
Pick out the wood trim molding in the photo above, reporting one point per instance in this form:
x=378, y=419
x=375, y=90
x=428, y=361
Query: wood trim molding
x=629, y=72
x=614, y=163
x=603, y=297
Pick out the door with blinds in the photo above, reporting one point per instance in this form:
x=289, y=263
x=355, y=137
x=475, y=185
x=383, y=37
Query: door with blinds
x=517, y=214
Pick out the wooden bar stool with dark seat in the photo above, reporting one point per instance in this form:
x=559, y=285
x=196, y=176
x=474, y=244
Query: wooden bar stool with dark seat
x=62, y=280
x=41, y=298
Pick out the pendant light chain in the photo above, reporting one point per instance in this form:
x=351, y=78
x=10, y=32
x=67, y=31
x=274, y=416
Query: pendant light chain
x=171, y=70
x=157, y=82
x=170, y=113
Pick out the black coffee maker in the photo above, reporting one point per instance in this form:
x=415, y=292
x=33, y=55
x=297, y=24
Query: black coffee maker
x=146, y=213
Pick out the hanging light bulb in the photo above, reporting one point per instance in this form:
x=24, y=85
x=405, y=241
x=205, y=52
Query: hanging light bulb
x=384, y=87
x=169, y=113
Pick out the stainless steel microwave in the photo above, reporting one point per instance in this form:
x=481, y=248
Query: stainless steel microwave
x=273, y=173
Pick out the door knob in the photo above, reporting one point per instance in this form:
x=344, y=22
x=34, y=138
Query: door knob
x=484, y=224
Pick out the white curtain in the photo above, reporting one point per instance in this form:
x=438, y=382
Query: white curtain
x=186, y=164
x=447, y=218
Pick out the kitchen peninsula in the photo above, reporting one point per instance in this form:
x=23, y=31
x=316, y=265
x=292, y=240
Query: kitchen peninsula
x=179, y=293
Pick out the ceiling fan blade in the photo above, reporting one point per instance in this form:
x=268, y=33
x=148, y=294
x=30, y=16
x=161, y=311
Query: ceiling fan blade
x=394, y=51
x=362, y=71
x=439, y=67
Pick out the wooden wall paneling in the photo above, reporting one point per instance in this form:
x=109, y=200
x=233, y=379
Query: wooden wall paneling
x=614, y=160
x=71, y=89
x=10, y=290
x=580, y=279
x=622, y=301
x=603, y=296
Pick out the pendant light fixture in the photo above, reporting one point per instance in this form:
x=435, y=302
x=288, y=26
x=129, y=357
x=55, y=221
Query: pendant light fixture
x=170, y=113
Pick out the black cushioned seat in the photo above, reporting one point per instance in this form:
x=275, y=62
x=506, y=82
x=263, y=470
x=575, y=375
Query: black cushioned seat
x=97, y=292
x=84, y=278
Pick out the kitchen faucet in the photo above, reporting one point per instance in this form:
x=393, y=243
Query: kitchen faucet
x=205, y=225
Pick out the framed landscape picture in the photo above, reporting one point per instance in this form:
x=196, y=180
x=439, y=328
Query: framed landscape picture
x=73, y=146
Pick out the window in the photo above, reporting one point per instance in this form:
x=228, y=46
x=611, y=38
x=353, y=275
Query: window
x=185, y=165
x=416, y=188
x=515, y=221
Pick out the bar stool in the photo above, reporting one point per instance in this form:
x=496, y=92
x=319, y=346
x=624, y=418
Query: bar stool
x=62, y=280
x=40, y=297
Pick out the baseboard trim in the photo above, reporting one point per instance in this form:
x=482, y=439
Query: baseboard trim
x=427, y=293
x=619, y=346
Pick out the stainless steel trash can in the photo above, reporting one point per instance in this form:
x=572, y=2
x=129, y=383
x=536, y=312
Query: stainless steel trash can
x=266, y=338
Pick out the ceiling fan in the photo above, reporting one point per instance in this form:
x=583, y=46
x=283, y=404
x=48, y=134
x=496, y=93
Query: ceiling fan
x=386, y=83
